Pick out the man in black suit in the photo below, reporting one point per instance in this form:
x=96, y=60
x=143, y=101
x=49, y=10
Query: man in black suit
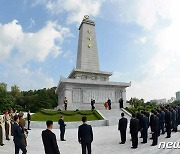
x=120, y=103
x=28, y=119
x=139, y=117
x=92, y=104
x=85, y=136
x=62, y=128
x=155, y=129
x=17, y=133
x=122, y=128
x=144, y=127
x=134, y=124
x=109, y=103
x=49, y=140
x=162, y=120
x=168, y=122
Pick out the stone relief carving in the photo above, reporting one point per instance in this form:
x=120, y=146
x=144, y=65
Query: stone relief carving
x=99, y=95
x=76, y=96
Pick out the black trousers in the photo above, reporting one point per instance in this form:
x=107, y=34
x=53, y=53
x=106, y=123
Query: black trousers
x=29, y=124
x=162, y=128
x=155, y=137
x=86, y=148
x=168, y=129
x=144, y=135
x=134, y=137
x=65, y=106
x=123, y=136
x=18, y=147
x=62, y=132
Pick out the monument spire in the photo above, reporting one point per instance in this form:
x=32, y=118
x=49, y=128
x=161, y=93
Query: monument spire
x=87, y=55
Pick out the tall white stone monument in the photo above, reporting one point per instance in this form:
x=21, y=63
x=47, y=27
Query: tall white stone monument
x=86, y=81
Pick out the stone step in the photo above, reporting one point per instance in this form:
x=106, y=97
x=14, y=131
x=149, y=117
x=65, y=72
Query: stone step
x=113, y=115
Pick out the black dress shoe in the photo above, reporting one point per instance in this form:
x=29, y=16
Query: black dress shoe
x=122, y=143
x=1, y=144
x=8, y=139
x=63, y=140
x=133, y=147
x=151, y=138
x=143, y=142
x=168, y=136
x=153, y=144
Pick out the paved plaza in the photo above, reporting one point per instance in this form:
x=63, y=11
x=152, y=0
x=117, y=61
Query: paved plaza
x=106, y=141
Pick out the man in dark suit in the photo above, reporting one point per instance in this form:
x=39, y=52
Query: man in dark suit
x=144, y=128
x=122, y=128
x=28, y=119
x=109, y=103
x=139, y=117
x=17, y=133
x=168, y=122
x=162, y=120
x=155, y=129
x=62, y=128
x=120, y=103
x=85, y=136
x=134, y=124
x=49, y=139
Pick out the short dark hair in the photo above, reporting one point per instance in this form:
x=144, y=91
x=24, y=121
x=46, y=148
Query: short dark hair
x=122, y=114
x=49, y=123
x=16, y=117
x=84, y=119
x=133, y=115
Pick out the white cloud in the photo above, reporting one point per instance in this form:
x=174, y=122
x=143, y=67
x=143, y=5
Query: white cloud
x=31, y=46
x=18, y=49
x=160, y=20
x=75, y=9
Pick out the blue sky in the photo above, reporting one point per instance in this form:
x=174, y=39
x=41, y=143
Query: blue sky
x=137, y=40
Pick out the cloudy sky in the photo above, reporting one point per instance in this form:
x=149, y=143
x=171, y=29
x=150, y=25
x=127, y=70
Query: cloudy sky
x=139, y=40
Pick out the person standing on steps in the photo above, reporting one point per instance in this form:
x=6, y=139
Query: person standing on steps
x=92, y=104
x=109, y=103
x=65, y=103
x=122, y=126
x=120, y=103
x=62, y=127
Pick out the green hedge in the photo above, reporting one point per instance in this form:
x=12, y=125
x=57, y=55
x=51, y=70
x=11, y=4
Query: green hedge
x=72, y=113
x=70, y=116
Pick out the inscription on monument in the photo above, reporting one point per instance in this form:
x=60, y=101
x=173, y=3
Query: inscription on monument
x=99, y=95
x=76, y=95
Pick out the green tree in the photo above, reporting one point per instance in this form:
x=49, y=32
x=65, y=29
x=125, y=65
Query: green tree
x=3, y=90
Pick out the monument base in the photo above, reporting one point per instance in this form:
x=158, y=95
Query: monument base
x=80, y=92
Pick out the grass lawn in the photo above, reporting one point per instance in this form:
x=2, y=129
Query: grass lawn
x=69, y=116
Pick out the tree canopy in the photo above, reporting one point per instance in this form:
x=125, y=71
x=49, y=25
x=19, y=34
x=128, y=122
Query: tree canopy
x=32, y=100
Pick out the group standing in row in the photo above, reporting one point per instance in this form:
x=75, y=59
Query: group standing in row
x=161, y=120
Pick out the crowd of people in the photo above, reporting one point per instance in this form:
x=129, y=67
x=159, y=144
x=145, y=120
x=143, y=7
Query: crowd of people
x=164, y=119
x=9, y=122
x=159, y=121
